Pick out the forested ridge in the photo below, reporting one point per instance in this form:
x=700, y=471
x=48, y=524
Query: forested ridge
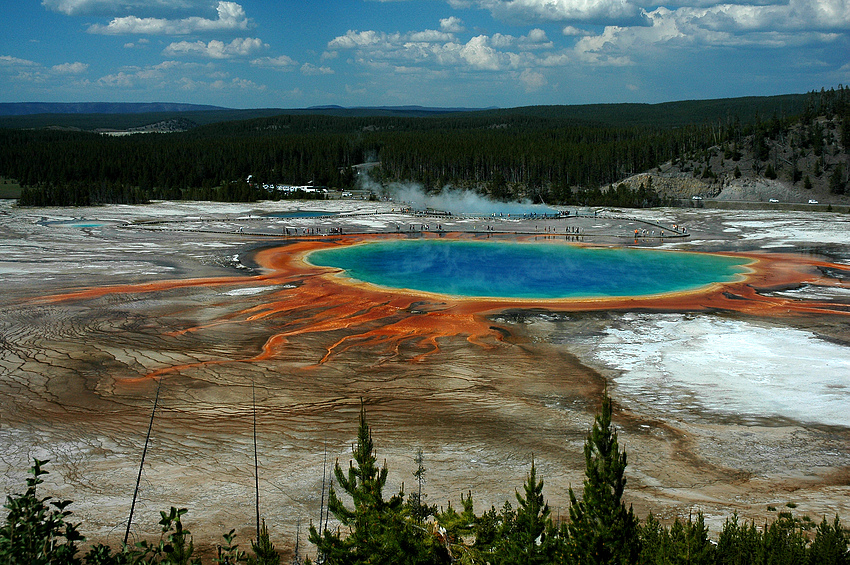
x=371, y=528
x=98, y=116
x=559, y=155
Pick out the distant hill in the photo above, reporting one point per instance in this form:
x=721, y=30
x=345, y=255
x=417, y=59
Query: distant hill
x=29, y=108
x=406, y=111
x=92, y=116
x=668, y=114
x=127, y=116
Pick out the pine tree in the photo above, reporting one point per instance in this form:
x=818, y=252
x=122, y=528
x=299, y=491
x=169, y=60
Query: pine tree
x=836, y=180
x=770, y=172
x=739, y=544
x=264, y=550
x=417, y=506
x=831, y=544
x=453, y=529
x=784, y=541
x=690, y=544
x=602, y=530
x=655, y=543
x=379, y=531
x=530, y=539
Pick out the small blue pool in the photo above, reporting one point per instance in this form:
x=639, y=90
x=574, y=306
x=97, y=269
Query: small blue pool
x=300, y=214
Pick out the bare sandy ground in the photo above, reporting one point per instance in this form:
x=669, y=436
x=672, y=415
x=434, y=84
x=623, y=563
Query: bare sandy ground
x=181, y=299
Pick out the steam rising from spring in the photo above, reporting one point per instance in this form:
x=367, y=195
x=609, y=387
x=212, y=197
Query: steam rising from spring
x=453, y=200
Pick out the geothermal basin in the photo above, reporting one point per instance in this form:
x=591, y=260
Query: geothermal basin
x=545, y=270
x=731, y=394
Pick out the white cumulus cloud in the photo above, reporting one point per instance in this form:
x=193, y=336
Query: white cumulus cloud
x=452, y=25
x=574, y=31
x=216, y=49
x=9, y=61
x=282, y=62
x=797, y=23
x=109, y=7
x=794, y=15
x=480, y=55
x=536, y=39
x=537, y=36
x=309, y=69
x=169, y=76
x=23, y=70
x=231, y=16
x=430, y=36
x=353, y=39
x=563, y=10
x=431, y=48
x=71, y=68
x=235, y=84
x=532, y=80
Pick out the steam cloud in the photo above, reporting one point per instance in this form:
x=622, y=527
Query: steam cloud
x=456, y=201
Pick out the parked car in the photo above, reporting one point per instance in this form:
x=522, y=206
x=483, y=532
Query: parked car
x=773, y=201
x=812, y=201
x=696, y=197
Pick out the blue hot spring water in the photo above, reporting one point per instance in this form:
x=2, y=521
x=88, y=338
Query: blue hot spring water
x=527, y=270
x=300, y=214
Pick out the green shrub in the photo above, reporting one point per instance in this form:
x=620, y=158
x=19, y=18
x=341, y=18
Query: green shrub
x=36, y=531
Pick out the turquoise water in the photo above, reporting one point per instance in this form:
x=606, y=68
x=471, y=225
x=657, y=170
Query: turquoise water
x=80, y=223
x=300, y=214
x=513, y=209
x=526, y=270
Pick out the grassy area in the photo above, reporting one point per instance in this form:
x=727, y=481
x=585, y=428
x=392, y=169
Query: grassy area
x=9, y=188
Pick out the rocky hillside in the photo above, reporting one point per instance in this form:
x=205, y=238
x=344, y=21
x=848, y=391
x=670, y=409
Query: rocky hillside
x=794, y=162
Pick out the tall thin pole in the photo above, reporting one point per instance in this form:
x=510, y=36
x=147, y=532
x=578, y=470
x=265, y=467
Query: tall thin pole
x=328, y=511
x=297, y=541
x=324, y=476
x=256, y=462
x=142, y=464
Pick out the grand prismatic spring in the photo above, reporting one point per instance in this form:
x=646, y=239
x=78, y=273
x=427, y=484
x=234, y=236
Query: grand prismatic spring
x=731, y=390
x=500, y=269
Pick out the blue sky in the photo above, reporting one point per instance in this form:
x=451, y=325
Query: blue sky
x=470, y=53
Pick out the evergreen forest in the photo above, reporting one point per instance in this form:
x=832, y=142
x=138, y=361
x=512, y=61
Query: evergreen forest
x=557, y=155
x=372, y=527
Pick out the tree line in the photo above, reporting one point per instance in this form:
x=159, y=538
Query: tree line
x=538, y=153
x=377, y=529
